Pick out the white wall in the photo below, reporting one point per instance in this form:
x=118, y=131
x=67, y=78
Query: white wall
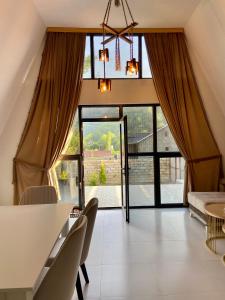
x=14, y=126
x=21, y=37
x=205, y=33
x=123, y=92
x=21, y=33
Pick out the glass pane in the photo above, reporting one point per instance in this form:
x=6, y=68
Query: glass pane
x=110, y=65
x=172, y=179
x=165, y=140
x=146, y=72
x=100, y=112
x=141, y=181
x=72, y=145
x=140, y=128
x=102, y=163
x=87, y=59
x=65, y=177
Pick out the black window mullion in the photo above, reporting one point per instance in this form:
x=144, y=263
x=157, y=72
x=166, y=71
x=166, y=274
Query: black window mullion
x=140, y=55
x=154, y=114
x=82, y=200
x=157, y=191
x=120, y=111
x=92, y=56
x=92, y=44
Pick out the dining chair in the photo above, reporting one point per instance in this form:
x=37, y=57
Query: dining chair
x=59, y=282
x=43, y=194
x=90, y=212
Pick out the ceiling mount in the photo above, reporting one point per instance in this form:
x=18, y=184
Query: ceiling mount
x=117, y=3
x=127, y=17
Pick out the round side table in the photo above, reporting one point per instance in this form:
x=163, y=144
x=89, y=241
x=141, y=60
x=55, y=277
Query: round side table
x=215, y=224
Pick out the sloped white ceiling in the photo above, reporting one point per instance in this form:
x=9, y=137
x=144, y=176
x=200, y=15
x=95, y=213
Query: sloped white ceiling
x=205, y=33
x=21, y=33
x=89, y=13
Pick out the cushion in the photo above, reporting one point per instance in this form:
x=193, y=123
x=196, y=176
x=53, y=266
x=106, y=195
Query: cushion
x=200, y=199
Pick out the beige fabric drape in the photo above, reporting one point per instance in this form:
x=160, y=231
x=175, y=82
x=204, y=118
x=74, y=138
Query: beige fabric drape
x=52, y=110
x=182, y=106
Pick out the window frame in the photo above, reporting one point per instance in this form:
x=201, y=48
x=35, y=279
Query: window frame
x=155, y=154
x=140, y=58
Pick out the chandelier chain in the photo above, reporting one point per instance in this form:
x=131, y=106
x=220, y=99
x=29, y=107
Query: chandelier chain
x=106, y=16
x=124, y=13
x=128, y=7
x=110, y=4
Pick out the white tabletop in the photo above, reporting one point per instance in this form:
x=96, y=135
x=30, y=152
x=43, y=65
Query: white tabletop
x=27, y=236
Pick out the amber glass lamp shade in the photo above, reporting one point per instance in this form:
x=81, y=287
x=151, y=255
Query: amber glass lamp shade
x=104, y=85
x=132, y=67
x=104, y=54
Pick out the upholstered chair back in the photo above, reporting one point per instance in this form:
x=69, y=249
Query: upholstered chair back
x=39, y=195
x=90, y=212
x=60, y=280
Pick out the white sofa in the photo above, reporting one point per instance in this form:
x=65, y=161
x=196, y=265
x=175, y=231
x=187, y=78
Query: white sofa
x=198, y=200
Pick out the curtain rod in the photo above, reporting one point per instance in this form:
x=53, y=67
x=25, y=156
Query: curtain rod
x=99, y=30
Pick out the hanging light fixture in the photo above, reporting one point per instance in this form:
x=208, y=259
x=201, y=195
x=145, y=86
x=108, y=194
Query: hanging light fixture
x=104, y=54
x=126, y=34
x=104, y=85
x=132, y=67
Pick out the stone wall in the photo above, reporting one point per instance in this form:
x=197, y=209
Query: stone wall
x=112, y=170
x=141, y=170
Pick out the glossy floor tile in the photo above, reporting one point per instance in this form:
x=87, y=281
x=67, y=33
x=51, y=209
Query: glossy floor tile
x=160, y=255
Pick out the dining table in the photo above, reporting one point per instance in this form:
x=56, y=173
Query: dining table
x=28, y=234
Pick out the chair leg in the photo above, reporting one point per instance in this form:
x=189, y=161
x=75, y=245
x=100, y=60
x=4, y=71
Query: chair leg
x=84, y=271
x=79, y=288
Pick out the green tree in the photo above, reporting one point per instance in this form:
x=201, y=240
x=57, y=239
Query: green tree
x=88, y=141
x=161, y=120
x=74, y=143
x=93, y=179
x=102, y=174
x=87, y=64
x=73, y=140
x=106, y=140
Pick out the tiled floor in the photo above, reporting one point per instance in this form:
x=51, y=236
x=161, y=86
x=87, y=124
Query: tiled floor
x=160, y=255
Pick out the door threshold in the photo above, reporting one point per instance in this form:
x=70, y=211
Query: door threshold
x=107, y=208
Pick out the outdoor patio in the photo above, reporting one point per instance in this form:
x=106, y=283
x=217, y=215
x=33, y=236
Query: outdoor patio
x=140, y=195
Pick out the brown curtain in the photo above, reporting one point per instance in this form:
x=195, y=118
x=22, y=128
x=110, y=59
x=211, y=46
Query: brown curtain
x=182, y=106
x=52, y=110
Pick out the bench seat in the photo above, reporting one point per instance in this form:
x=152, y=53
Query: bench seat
x=198, y=200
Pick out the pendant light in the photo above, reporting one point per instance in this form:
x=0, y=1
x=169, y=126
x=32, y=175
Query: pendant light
x=132, y=66
x=126, y=34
